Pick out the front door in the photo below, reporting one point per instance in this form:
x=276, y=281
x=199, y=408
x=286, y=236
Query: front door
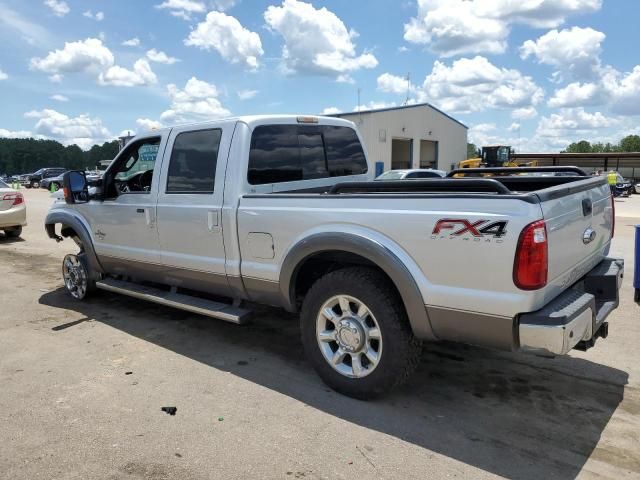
x=189, y=208
x=123, y=224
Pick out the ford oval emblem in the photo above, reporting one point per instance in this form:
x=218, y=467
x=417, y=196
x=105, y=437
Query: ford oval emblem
x=588, y=236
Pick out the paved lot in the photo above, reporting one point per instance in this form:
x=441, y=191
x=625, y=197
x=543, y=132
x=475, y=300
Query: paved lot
x=249, y=405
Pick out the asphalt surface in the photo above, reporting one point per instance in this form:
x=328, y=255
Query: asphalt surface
x=82, y=385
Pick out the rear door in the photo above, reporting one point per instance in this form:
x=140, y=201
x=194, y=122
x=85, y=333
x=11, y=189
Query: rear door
x=579, y=223
x=190, y=206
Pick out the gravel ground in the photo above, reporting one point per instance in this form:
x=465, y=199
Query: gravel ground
x=82, y=385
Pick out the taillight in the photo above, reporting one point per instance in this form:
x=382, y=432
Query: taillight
x=16, y=197
x=532, y=257
x=613, y=215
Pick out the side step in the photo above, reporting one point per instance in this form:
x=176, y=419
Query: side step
x=221, y=311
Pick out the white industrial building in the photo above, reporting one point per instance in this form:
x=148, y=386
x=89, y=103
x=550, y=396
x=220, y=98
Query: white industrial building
x=411, y=136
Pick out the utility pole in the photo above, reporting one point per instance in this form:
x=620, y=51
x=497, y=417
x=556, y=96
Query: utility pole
x=406, y=102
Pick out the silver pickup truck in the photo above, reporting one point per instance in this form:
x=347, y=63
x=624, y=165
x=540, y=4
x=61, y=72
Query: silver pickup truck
x=282, y=210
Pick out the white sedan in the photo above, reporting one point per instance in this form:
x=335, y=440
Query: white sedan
x=13, y=211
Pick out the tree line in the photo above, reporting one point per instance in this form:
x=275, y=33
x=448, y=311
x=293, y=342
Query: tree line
x=26, y=155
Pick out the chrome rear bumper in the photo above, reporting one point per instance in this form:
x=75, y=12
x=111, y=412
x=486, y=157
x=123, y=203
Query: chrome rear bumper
x=577, y=317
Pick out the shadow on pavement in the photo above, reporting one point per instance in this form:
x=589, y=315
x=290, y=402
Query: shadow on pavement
x=512, y=415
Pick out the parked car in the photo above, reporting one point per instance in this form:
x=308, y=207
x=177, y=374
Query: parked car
x=47, y=182
x=637, y=188
x=13, y=211
x=282, y=210
x=624, y=187
x=412, y=174
x=33, y=180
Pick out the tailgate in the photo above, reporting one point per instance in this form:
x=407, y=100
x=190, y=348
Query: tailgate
x=579, y=222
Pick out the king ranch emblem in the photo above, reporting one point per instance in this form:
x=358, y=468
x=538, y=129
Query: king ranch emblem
x=470, y=230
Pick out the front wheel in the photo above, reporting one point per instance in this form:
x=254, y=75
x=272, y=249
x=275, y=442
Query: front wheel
x=356, y=333
x=35, y=184
x=77, y=281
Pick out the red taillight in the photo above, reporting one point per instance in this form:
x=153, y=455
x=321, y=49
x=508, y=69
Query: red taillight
x=532, y=257
x=613, y=215
x=16, y=197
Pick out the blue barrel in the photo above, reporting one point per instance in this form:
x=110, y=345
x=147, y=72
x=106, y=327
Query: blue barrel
x=636, y=266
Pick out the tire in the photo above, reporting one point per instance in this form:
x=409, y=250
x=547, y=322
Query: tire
x=14, y=232
x=35, y=184
x=78, y=281
x=396, y=353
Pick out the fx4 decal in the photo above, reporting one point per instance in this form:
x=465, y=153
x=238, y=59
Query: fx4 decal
x=477, y=230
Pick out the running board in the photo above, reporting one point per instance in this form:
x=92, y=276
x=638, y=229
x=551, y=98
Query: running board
x=221, y=311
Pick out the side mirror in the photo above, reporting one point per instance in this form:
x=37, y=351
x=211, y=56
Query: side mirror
x=75, y=187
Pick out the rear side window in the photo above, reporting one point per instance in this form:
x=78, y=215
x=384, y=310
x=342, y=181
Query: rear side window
x=286, y=153
x=192, y=168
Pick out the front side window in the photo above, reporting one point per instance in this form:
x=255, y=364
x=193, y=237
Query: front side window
x=134, y=171
x=286, y=153
x=192, y=168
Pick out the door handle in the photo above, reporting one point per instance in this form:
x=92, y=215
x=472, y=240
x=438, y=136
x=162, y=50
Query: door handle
x=139, y=210
x=212, y=220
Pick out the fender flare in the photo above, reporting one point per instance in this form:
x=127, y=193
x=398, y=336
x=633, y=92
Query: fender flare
x=71, y=220
x=367, y=248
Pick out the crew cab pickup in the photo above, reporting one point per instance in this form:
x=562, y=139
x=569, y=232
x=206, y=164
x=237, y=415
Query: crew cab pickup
x=282, y=210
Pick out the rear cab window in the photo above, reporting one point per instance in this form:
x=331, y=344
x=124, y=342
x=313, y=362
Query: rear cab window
x=288, y=153
x=194, y=158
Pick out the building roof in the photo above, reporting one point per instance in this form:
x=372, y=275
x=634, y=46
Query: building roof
x=415, y=105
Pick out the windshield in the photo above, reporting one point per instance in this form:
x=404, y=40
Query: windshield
x=391, y=175
x=38, y=172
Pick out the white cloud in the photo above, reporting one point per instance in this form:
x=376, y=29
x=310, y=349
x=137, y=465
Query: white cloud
x=394, y=84
x=132, y=42
x=148, y=124
x=3, y=76
x=247, y=94
x=570, y=122
x=514, y=127
x=88, y=55
x=316, y=41
x=331, y=111
x=475, y=84
x=625, y=91
x=525, y=113
x=122, y=77
x=455, y=27
x=229, y=38
x=59, y=8
x=373, y=106
x=59, y=98
x=223, y=5
x=4, y=133
x=82, y=130
x=575, y=51
x=577, y=94
x=183, y=8
x=25, y=29
x=161, y=57
x=98, y=16
x=56, y=78
x=198, y=101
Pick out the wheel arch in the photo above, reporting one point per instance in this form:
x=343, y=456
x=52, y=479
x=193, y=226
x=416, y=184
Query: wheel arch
x=73, y=226
x=349, y=249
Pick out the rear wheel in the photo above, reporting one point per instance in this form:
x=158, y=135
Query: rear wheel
x=35, y=184
x=77, y=280
x=356, y=333
x=14, y=232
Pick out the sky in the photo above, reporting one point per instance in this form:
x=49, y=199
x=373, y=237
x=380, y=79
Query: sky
x=535, y=74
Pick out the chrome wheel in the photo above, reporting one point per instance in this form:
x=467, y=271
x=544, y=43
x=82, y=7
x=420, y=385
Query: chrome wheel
x=75, y=276
x=349, y=336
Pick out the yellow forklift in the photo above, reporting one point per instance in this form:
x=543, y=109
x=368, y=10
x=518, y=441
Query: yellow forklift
x=494, y=156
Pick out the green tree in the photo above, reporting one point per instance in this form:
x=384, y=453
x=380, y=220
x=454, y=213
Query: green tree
x=630, y=143
x=472, y=150
x=580, y=147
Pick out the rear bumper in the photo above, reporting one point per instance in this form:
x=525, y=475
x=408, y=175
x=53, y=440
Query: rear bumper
x=14, y=217
x=576, y=318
